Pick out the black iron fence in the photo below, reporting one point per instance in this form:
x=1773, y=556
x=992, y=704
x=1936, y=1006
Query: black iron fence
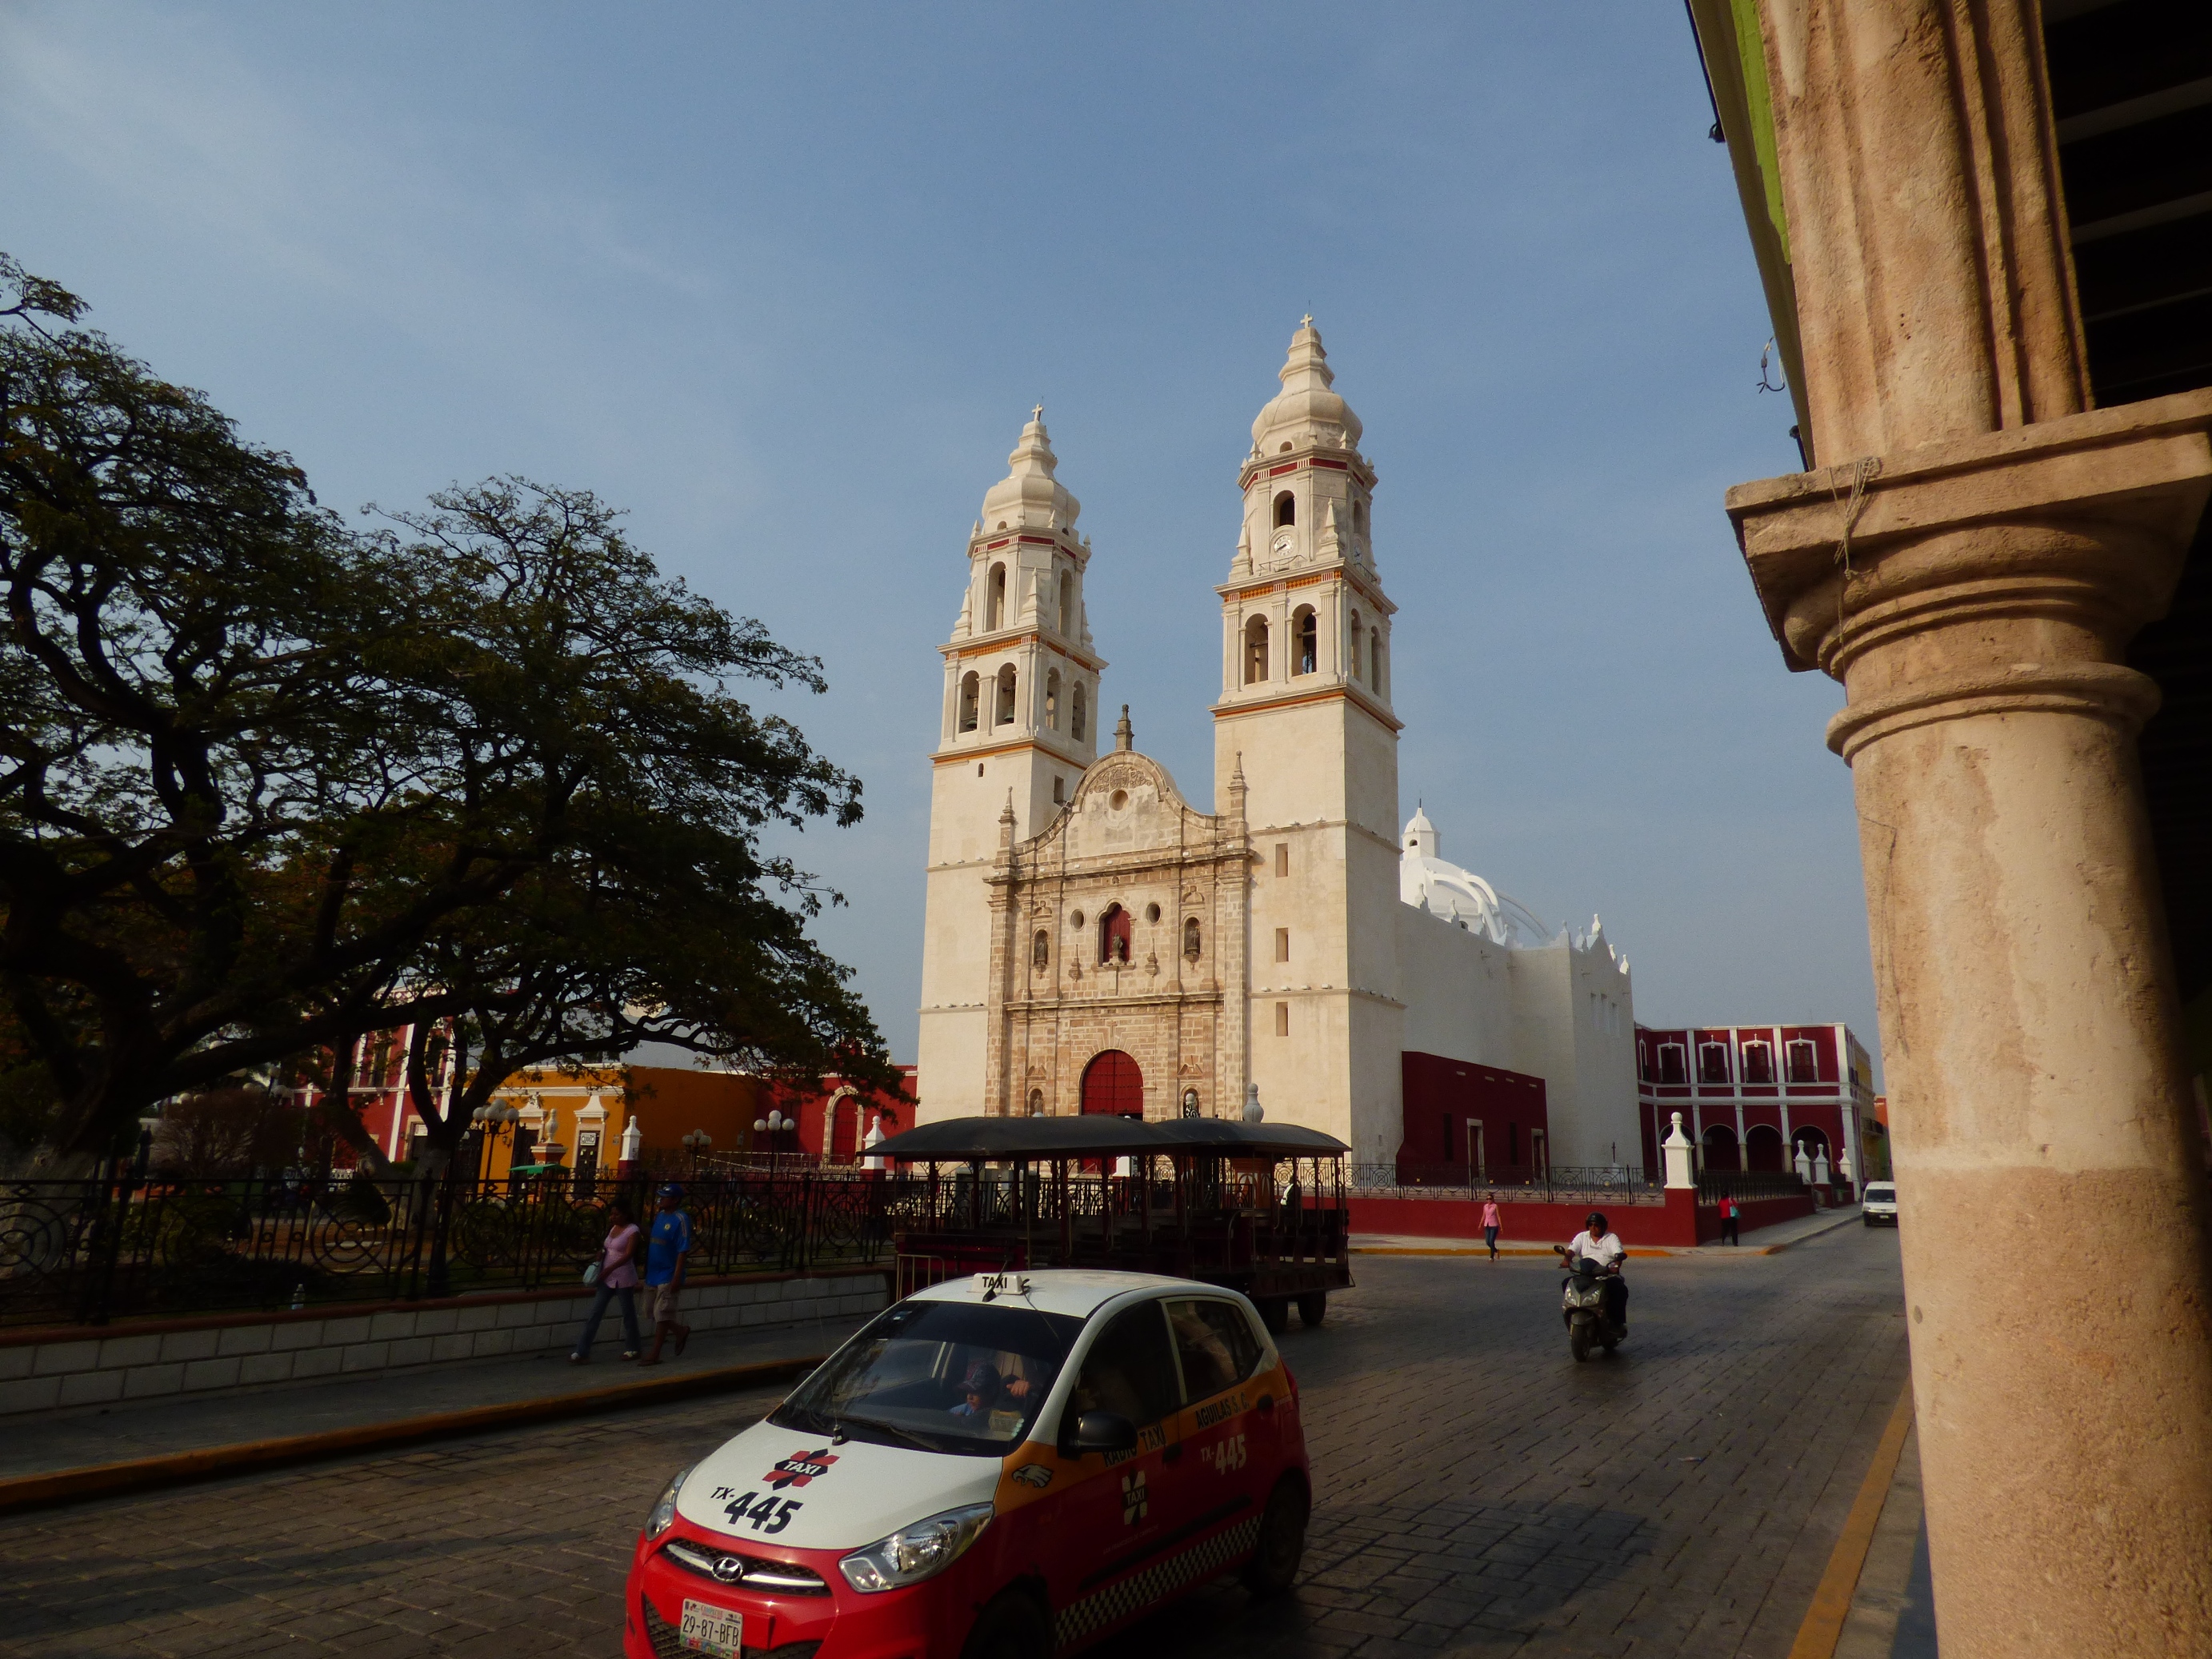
x=1713, y=1185
x=154, y=1244
x=1565, y=1183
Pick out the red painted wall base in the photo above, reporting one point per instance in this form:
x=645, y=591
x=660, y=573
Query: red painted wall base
x=1681, y=1221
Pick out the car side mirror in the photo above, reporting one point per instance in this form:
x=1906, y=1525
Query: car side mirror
x=1100, y=1432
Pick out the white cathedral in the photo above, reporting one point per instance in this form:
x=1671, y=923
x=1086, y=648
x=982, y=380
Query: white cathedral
x=1094, y=942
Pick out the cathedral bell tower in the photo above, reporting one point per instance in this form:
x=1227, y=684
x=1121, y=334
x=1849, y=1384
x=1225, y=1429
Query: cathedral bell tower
x=1305, y=704
x=1018, y=725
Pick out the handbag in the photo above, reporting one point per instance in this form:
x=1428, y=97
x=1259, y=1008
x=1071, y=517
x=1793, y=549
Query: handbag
x=592, y=1274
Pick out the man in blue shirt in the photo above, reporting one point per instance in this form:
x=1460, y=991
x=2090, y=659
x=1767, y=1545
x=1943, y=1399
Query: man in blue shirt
x=668, y=1244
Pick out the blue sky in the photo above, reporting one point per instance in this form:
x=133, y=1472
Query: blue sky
x=783, y=282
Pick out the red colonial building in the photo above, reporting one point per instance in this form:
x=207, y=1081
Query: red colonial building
x=1752, y=1096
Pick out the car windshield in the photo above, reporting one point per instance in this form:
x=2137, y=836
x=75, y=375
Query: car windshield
x=1880, y=1190
x=945, y=1376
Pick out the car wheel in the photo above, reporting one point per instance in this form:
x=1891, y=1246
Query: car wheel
x=1275, y=1315
x=1011, y=1627
x=1867, y=1219
x=1282, y=1543
x=1313, y=1308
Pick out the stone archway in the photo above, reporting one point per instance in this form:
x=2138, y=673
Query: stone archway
x=1720, y=1149
x=1113, y=1085
x=842, y=1138
x=1762, y=1150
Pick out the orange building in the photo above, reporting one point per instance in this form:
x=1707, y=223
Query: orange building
x=585, y=1114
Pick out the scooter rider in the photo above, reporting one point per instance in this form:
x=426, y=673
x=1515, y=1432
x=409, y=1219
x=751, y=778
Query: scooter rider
x=1602, y=1245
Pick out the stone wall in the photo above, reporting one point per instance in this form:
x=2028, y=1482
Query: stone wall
x=47, y=1370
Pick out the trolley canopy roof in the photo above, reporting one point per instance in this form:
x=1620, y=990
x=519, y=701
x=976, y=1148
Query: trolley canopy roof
x=970, y=1139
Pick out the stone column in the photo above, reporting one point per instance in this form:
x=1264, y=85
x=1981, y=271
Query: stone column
x=1971, y=562
x=1679, y=1152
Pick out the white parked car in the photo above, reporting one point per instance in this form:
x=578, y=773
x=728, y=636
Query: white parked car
x=1881, y=1201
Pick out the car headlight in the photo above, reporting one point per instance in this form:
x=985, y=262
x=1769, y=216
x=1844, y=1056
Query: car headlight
x=664, y=1508
x=915, y=1552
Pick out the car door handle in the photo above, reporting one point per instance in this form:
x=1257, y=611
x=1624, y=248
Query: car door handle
x=1173, y=1453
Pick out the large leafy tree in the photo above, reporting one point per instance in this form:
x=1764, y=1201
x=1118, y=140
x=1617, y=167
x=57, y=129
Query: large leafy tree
x=267, y=784
x=661, y=917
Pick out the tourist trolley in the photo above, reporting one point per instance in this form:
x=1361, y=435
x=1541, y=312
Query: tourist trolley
x=1256, y=1207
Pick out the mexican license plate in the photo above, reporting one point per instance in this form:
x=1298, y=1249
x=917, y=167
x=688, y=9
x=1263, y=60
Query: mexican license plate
x=710, y=1629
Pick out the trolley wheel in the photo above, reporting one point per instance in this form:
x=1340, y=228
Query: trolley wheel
x=1313, y=1308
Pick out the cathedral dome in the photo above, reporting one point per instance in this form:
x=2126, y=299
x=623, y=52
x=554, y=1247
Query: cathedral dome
x=1460, y=896
x=1028, y=497
x=1305, y=413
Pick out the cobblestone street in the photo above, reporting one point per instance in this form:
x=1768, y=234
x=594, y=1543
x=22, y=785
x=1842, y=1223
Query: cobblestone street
x=1477, y=1493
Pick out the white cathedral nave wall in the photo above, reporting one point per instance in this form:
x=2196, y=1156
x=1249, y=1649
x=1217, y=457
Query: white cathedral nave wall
x=1091, y=936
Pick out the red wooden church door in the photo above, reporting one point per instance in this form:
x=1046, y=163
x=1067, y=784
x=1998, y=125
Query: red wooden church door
x=1112, y=1084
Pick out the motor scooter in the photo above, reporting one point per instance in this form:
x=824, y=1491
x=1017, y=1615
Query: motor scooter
x=1584, y=1305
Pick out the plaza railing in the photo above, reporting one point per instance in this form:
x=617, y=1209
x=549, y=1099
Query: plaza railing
x=1557, y=1183
x=137, y=1242
x=1713, y=1185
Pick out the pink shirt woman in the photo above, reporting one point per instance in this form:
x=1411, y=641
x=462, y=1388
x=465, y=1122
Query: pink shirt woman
x=617, y=1282
x=618, y=1257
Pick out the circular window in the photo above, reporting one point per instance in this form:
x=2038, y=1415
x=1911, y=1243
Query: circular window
x=1118, y=799
x=1075, y=919
x=1152, y=912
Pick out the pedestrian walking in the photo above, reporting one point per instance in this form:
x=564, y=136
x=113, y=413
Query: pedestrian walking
x=1731, y=1219
x=669, y=1243
x=1490, y=1226
x=618, y=1280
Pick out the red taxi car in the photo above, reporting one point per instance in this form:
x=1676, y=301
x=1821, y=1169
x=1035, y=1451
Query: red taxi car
x=1003, y=1467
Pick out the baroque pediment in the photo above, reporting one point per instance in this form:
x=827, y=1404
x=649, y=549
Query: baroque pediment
x=1126, y=802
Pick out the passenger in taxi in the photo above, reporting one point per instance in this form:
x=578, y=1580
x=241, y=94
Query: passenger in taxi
x=1208, y=1366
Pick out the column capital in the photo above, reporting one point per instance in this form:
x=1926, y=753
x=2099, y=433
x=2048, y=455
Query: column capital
x=2005, y=571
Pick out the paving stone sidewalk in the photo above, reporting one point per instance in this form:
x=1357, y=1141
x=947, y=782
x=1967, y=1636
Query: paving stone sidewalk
x=1892, y=1613
x=1477, y=1493
x=87, y=1436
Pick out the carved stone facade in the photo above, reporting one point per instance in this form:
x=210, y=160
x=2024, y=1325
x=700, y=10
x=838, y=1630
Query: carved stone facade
x=1084, y=920
x=1066, y=986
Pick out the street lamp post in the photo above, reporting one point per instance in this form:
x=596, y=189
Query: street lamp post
x=492, y=1121
x=698, y=1143
x=773, y=1127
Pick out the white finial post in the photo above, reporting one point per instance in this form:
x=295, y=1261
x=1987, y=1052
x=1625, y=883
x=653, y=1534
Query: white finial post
x=1253, y=1113
x=1679, y=1152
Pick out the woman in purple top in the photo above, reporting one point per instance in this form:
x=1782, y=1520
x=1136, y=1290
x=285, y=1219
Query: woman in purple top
x=617, y=1278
